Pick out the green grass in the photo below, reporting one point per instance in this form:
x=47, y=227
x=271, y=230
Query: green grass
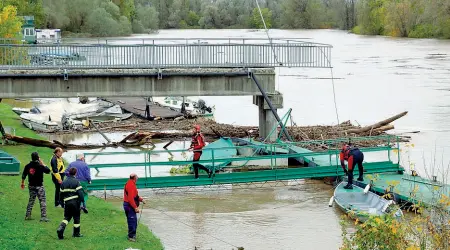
x=104, y=227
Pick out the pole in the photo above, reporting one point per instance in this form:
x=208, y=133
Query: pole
x=270, y=105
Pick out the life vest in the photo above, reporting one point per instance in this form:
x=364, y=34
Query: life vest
x=59, y=166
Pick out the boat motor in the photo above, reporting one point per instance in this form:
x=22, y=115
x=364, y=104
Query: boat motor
x=35, y=110
x=65, y=122
x=201, y=105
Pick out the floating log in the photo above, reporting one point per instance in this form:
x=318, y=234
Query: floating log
x=384, y=128
x=138, y=139
x=376, y=125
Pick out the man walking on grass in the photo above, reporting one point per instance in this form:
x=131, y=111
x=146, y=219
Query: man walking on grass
x=83, y=175
x=131, y=201
x=71, y=194
x=35, y=171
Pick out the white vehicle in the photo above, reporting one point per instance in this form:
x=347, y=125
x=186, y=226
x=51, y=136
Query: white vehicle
x=48, y=35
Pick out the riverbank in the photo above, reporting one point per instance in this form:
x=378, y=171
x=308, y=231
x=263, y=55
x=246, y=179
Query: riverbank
x=104, y=227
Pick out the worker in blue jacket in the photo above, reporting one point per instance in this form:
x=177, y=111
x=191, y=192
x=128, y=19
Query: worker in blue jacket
x=353, y=156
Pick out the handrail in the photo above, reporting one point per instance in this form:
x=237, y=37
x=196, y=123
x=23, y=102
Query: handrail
x=263, y=146
x=222, y=160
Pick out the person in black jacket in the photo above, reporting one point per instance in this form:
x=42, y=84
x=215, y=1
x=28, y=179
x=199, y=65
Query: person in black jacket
x=71, y=194
x=35, y=171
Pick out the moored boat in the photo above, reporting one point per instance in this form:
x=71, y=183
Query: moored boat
x=192, y=106
x=359, y=204
x=39, y=123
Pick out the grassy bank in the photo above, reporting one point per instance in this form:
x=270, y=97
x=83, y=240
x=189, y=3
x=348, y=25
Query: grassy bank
x=103, y=228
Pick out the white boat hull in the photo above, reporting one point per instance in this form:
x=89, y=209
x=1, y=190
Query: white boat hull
x=175, y=103
x=38, y=124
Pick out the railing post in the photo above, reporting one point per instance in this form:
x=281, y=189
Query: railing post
x=214, y=166
x=389, y=146
x=398, y=150
x=107, y=54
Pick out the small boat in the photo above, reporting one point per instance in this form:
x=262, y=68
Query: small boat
x=360, y=205
x=192, y=106
x=20, y=111
x=9, y=165
x=39, y=123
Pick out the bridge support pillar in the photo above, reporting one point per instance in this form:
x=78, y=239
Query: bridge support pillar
x=267, y=120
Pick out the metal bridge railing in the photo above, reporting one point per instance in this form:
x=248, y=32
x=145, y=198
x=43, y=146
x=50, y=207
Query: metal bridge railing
x=387, y=144
x=166, y=53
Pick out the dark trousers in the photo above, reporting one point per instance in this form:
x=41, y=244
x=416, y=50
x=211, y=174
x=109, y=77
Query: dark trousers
x=131, y=219
x=197, y=165
x=57, y=189
x=72, y=210
x=358, y=159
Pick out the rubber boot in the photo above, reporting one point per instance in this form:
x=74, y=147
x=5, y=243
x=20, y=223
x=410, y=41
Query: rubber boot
x=350, y=181
x=76, y=232
x=60, y=230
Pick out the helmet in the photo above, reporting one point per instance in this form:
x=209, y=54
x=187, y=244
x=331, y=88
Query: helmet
x=197, y=127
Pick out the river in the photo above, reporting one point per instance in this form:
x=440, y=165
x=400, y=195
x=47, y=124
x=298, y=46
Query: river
x=375, y=78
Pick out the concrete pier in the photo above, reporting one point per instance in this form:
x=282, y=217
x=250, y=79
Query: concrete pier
x=267, y=120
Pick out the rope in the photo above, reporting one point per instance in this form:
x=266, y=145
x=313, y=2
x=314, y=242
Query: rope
x=175, y=219
x=334, y=96
x=267, y=33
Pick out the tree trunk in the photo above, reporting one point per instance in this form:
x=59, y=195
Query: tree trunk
x=376, y=125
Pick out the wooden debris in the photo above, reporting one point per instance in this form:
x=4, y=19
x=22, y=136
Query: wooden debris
x=376, y=125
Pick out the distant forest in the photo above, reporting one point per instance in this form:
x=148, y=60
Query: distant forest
x=403, y=18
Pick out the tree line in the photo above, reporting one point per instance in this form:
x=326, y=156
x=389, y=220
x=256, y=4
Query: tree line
x=405, y=18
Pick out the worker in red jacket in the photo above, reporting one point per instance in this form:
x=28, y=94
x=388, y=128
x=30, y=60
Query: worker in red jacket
x=198, y=142
x=131, y=201
x=353, y=156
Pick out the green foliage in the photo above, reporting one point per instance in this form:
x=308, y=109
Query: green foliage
x=422, y=31
x=192, y=19
x=104, y=227
x=405, y=18
x=148, y=17
x=257, y=22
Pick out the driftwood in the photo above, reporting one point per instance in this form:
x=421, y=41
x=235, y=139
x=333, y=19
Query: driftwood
x=376, y=125
x=149, y=130
x=137, y=139
x=384, y=128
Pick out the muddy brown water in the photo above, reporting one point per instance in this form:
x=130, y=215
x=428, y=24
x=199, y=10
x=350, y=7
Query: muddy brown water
x=375, y=77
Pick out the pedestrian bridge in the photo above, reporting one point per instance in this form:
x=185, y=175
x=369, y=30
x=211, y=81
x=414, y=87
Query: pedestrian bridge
x=165, y=53
x=151, y=169
x=157, y=67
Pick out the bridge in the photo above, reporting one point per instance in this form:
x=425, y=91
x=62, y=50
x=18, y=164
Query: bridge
x=157, y=67
x=310, y=164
